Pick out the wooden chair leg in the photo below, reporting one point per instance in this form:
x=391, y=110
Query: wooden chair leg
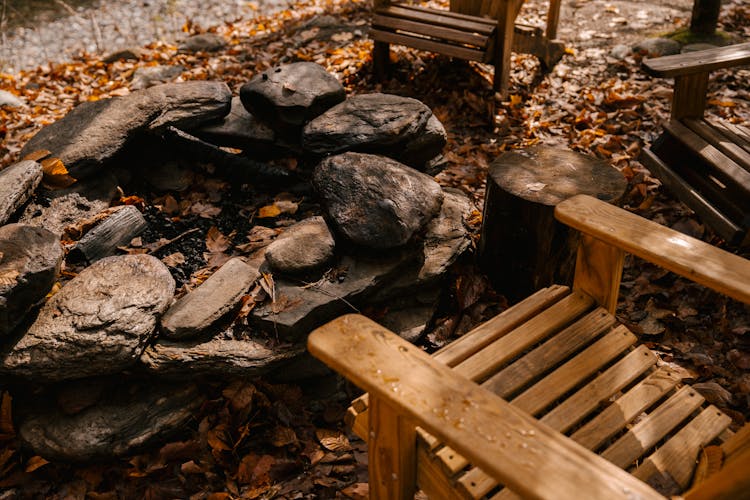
x=503, y=47
x=392, y=450
x=381, y=59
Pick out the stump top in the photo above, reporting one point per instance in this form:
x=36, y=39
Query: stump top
x=549, y=175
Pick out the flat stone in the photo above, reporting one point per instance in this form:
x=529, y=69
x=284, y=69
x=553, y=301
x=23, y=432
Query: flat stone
x=217, y=357
x=301, y=248
x=285, y=97
x=239, y=129
x=395, y=126
x=375, y=201
x=10, y=100
x=200, y=310
x=30, y=259
x=131, y=418
x=98, y=323
x=17, y=184
x=697, y=47
x=62, y=211
x=148, y=76
x=126, y=54
x=621, y=51
x=657, y=47
x=203, y=42
x=93, y=133
x=300, y=308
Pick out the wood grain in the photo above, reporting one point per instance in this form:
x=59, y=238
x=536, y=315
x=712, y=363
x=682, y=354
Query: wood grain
x=699, y=61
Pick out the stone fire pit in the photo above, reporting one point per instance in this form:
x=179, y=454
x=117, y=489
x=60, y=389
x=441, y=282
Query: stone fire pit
x=206, y=235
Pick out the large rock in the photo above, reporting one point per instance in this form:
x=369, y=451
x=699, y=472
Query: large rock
x=239, y=129
x=62, y=211
x=148, y=76
x=30, y=259
x=200, y=310
x=657, y=47
x=374, y=201
x=17, y=184
x=203, y=42
x=300, y=307
x=98, y=323
x=129, y=419
x=217, y=357
x=94, y=132
x=400, y=127
x=287, y=96
x=303, y=247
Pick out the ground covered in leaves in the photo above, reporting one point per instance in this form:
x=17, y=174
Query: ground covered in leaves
x=260, y=439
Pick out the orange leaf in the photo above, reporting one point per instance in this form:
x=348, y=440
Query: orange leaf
x=35, y=462
x=55, y=174
x=269, y=211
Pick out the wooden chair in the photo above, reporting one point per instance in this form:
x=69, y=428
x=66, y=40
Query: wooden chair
x=475, y=30
x=704, y=162
x=523, y=399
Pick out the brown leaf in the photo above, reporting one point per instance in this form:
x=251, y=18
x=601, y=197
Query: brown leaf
x=268, y=211
x=283, y=436
x=35, y=462
x=217, y=438
x=216, y=242
x=37, y=155
x=55, y=175
x=357, y=491
x=9, y=277
x=191, y=467
x=239, y=394
x=6, y=417
x=333, y=440
x=174, y=259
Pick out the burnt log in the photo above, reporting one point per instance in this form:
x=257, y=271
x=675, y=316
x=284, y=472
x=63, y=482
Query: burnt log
x=117, y=230
x=522, y=247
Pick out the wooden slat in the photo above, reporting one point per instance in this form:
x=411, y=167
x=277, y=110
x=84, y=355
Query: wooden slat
x=356, y=423
x=379, y=361
x=677, y=456
x=699, y=61
x=582, y=403
x=428, y=45
x=427, y=440
x=723, y=143
x=621, y=412
x=572, y=373
x=485, y=362
x=689, y=96
x=548, y=355
x=722, y=224
x=392, y=446
x=705, y=264
x=598, y=271
x=440, y=18
x=450, y=460
x=732, y=482
x=430, y=30
x=431, y=478
x=500, y=325
x=728, y=171
x=475, y=483
x=653, y=428
x=736, y=134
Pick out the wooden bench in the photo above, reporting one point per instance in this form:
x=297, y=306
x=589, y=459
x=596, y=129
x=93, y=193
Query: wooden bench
x=552, y=398
x=704, y=162
x=483, y=31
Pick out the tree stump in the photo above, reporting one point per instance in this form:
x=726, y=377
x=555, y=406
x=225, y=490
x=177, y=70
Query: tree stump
x=522, y=247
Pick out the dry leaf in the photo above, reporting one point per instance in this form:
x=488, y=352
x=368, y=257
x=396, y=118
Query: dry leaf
x=283, y=436
x=333, y=440
x=35, y=462
x=6, y=417
x=55, y=175
x=9, y=277
x=216, y=242
x=268, y=211
x=174, y=259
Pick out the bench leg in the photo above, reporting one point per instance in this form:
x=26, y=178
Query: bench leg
x=392, y=450
x=381, y=53
x=503, y=47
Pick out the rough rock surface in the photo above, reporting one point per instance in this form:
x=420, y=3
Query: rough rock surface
x=148, y=76
x=203, y=42
x=239, y=129
x=400, y=127
x=17, y=183
x=299, y=308
x=375, y=201
x=94, y=132
x=10, y=100
x=217, y=356
x=657, y=47
x=287, y=96
x=303, y=247
x=98, y=323
x=129, y=419
x=62, y=211
x=204, y=307
x=30, y=259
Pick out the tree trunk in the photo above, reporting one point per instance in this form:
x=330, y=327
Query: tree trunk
x=705, y=16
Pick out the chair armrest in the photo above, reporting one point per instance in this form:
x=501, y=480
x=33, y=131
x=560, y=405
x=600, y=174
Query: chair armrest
x=694, y=259
x=508, y=444
x=701, y=61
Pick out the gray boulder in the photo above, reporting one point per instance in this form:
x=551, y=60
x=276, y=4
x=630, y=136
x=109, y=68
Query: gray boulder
x=62, y=211
x=30, y=259
x=657, y=47
x=303, y=247
x=129, y=419
x=400, y=127
x=217, y=357
x=200, y=310
x=148, y=76
x=98, y=323
x=239, y=129
x=10, y=100
x=287, y=96
x=375, y=201
x=17, y=184
x=204, y=42
x=93, y=133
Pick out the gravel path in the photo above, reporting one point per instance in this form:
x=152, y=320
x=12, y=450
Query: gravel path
x=108, y=25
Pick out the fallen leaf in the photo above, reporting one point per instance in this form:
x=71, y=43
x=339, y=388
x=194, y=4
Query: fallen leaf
x=333, y=440
x=35, y=462
x=283, y=436
x=6, y=417
x=216, y=242
x=55, y=175
x=174, y=259
x=268, y=211
x=9, y=277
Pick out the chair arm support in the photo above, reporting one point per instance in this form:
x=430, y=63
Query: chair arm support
x=508, y=444
x=702, y=61
x=694, y=259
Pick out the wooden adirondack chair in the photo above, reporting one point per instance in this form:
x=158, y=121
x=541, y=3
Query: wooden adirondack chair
x=475, y=30
x=704, y=162
x=552, y=398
